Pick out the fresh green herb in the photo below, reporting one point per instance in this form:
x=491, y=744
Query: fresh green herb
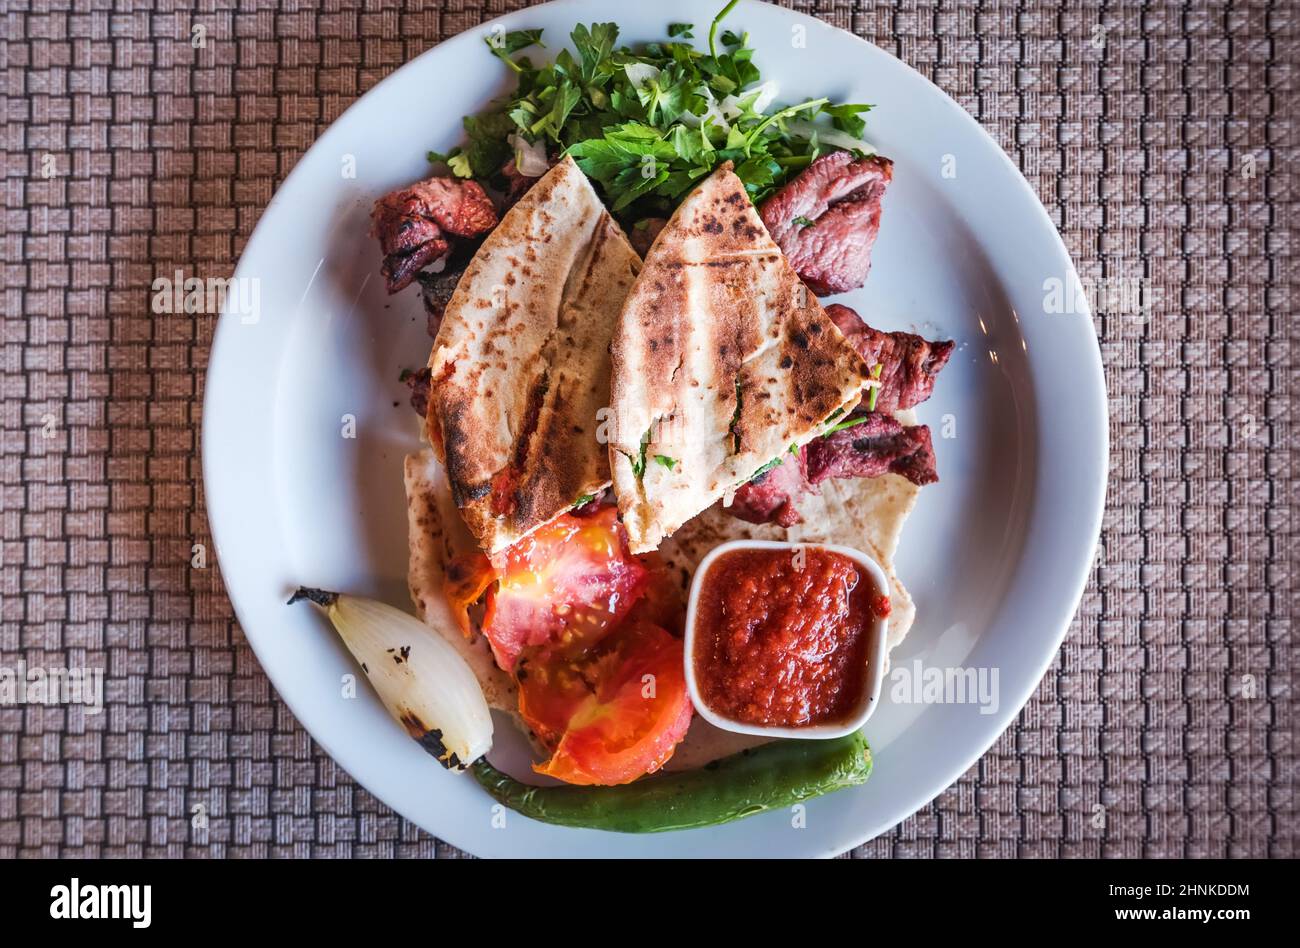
x=847, y=118
x=456, y=160
x=875, y=389
x=505, y=46
x=765, y=468
x=794, y=449
x=648, y=123
x=666, y=461
x=405, y=374
x=804, y=222
x=487, y=148
x=812, y=105
x=638, y=463
x=833, y=415
x=849, y=423
x=735, y=420
x=584, y=500
x=713, y=28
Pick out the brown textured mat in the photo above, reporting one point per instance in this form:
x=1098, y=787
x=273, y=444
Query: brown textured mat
x=1159, y=136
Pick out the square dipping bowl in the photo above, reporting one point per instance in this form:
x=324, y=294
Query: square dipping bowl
x=872, y=682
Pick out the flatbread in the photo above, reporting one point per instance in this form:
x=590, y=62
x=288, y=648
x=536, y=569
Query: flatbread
x=436, y=536
x=722, y=361
x=520, y=367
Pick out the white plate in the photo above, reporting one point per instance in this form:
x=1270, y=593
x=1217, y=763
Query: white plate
x=996, y=555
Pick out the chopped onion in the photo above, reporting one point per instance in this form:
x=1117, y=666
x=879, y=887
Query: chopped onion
x=712, y=111
x=640, y=73
x=830, y=136
x=422, y=680
x=766, y=93
x=530, y=157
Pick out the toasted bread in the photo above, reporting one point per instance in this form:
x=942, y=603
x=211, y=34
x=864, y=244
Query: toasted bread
x=722, y=361
x=520, y=367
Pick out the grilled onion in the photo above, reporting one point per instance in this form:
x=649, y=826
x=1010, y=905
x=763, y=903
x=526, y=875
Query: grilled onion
x=425, y=685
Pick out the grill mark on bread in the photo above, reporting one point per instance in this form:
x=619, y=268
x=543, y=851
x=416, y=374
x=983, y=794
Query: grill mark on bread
x=718, y=305
x=543, y=311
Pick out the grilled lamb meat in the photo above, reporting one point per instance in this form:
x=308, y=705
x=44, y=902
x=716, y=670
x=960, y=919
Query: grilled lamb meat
x=827, y=218
x=517, y=183
x=771, y=497
x=879, y=445
x=437, y=288
x=910, y=362
x=419, y=382
x=417, y=225
x=643, y=233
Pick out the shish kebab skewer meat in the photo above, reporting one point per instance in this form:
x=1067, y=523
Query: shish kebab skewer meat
x=869, y=442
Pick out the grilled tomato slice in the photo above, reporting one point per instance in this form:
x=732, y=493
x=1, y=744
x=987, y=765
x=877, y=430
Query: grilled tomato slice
x=565, y=585
x=613, y=714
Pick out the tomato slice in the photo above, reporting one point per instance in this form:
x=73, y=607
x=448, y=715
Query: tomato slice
x=567, y=584
x=623, y=707
x=579, y=622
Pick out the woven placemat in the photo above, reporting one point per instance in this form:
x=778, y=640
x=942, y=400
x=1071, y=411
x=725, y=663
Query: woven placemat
x=1158, y=135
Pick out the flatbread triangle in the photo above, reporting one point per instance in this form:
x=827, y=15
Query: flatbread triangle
x=723, y=362
x=520, y=367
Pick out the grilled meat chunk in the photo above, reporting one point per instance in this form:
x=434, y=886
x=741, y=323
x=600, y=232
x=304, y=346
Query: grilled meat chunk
x=771, y=497
x=436, y=288
x=827, y=218
x=910, y=363
x=419, y=382
x=417, y=225
x=878, y=445
x=644, y=232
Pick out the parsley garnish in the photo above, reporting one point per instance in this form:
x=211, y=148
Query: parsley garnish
x=846, y=118
x=648, y=123
x=666, y=461
x=503, y=47
x=584, y=500
x=638, y=463
x=804, y=222
x=875, y=389
x=765, y=468
x=849, y=423
x=735, y=420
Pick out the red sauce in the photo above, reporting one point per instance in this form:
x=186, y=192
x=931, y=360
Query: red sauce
x=781, y=640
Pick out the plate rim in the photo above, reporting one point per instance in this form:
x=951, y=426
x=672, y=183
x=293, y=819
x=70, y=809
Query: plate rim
x=1098, y=414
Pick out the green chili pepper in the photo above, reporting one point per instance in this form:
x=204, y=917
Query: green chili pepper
x=769, y=777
